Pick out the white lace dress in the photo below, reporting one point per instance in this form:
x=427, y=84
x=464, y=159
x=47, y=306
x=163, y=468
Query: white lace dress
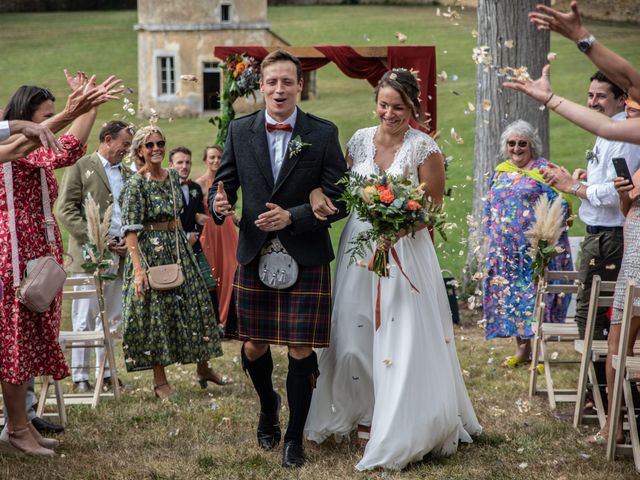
x=403, y=379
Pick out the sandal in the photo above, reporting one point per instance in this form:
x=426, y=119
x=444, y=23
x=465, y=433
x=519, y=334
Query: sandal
x=170, y=397
x=214, y=377
x=512, y=362
x=601, y=439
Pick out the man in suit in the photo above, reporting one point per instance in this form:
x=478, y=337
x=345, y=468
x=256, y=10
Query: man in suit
x=102, y=175
x=278, y=156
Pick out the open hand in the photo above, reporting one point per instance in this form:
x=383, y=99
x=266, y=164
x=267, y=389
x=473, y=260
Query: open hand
x=539, y=89
x=568, y=24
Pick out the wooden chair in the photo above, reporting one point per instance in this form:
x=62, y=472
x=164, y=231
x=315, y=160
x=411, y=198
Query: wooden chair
x=626, y=370
x=549, y=332
x=95, y=339
x=592, y=351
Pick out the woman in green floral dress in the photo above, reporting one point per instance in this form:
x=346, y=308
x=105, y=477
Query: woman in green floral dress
x=170, y=326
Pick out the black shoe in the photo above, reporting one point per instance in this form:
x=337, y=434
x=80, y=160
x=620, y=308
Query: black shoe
x=107, y=386
x=43, y=426
x=292, y=454
x=82, y=386
x=269, y=428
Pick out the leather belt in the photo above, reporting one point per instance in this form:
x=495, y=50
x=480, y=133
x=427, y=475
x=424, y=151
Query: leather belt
x=163, y=226
x=596, y=229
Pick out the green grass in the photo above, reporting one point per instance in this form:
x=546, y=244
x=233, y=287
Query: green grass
x=39, y=46
x=211, y=434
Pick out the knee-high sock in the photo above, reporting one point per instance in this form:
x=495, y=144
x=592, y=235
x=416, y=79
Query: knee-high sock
x=301, y=381
x=260, y=371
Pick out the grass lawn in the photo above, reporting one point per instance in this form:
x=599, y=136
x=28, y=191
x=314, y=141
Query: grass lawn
x=210, y=434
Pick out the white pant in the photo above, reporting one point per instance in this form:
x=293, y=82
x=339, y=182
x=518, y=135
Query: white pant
x=85, y=317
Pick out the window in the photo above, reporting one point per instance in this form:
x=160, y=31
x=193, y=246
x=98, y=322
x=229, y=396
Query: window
x=225, y=13
x=166, y=76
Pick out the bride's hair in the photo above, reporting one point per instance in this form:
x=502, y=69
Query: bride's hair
x=406, y=84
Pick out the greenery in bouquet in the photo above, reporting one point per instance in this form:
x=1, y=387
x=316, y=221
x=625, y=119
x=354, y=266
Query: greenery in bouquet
x=98, y=258
x=391, y=205
x=241, y=79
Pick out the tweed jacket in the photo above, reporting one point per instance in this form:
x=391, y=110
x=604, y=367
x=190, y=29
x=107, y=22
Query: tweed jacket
x=84, y=177
x=246, y=165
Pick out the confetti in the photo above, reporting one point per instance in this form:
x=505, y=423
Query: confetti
x=456, y=136
x=471, y=107
x=387, y=362
x=551, y=56
x=481, y=55
x=401, y=37
x=509, y=43
x=486, y=104
x=189, y=78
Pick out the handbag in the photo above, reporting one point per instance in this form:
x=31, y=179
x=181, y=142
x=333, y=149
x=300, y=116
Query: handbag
x=44, y=277
x=169, y=276
x=277, y=269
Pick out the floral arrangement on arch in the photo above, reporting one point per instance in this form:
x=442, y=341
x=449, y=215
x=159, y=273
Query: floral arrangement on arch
x=241, y=79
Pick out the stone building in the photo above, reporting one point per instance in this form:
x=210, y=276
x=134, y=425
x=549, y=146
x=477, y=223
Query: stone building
x=177, y=38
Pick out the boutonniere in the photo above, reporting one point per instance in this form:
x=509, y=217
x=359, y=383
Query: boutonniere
x=296, y=145
x=194, y=193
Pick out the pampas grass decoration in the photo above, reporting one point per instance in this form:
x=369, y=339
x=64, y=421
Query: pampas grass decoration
x=545, y=232
x=98, y=231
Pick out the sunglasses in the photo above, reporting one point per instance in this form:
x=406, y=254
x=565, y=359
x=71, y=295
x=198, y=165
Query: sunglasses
x=150, y=145
x=520, y=143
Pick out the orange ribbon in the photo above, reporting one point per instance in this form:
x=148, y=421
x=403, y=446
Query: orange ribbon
x=394, y=254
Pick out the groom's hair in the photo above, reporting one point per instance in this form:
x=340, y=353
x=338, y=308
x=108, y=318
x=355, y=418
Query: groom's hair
x=282, y=56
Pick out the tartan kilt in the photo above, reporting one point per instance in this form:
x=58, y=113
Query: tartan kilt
x=299, y=316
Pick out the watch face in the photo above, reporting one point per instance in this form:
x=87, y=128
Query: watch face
x=585, y=44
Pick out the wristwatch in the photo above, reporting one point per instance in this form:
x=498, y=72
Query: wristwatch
x=575, y=187
x=584, y=44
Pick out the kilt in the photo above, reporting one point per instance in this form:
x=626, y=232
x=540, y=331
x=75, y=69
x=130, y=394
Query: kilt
x=299, y=316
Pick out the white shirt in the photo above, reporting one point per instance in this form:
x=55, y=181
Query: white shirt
x=602, y=206
x=278, y=141
x=114, y=175
x=185, y=191
x=5, y=132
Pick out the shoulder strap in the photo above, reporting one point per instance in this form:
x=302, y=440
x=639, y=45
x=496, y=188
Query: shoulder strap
x=8, y=186
x=50, y=233
x=175, y=216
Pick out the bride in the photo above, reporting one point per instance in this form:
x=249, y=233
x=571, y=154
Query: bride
x=402, y=381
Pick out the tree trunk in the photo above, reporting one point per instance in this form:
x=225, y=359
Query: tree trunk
x=512, y=41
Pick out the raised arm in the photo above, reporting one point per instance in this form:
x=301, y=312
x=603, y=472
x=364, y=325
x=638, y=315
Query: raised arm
x=570, y=26
x=591, y=120
x=28, y=137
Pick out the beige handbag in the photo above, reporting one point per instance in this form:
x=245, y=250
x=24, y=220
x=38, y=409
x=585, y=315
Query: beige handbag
x=167, y=277
x=44, y=277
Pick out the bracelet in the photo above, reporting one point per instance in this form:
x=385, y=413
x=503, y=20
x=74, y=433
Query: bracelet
x=548, y=99
x=556, y=105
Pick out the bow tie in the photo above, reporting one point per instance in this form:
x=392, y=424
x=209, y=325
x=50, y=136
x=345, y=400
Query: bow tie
x=184, y=182
x=285, y=127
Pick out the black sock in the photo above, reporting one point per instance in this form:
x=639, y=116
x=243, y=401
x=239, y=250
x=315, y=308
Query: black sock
x=301, y=381
x=260, y=371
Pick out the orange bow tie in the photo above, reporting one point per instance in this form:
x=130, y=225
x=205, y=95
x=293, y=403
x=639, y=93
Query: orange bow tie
x=285, y=127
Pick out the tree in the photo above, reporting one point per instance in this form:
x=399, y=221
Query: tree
x=506, y=42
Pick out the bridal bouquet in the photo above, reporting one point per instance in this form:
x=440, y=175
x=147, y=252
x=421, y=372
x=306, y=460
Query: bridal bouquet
x=391, y=205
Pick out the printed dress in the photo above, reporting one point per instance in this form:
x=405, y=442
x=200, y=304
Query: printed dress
x=172, y=326
x=403, y=379
x=29, y=341
x=509, y=293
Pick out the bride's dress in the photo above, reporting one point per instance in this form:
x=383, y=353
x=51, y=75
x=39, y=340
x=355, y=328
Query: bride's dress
x=403, y=379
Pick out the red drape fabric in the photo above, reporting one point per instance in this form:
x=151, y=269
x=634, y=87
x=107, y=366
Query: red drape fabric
x=351, y=63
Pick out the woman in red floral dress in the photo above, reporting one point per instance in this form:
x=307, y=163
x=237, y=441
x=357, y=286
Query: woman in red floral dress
x=28, y=340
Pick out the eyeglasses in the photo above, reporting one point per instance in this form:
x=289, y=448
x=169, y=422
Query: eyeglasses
x=150, y=145
x=520, y=143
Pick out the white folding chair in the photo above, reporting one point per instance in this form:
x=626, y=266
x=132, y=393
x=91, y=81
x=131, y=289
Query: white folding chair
x=592, y=351
x=626, y=370
x=96, y=339
x=549, y=332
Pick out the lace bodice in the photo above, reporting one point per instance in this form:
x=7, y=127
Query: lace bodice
x=415, y=148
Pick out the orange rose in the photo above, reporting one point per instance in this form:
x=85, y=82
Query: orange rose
x=386, y=196
x=412, y=205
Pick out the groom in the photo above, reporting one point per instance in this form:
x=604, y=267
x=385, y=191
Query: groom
x=277, y=156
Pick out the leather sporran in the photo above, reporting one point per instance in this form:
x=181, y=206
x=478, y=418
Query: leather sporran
x=277, y=269
x=165, y=277
x=43, y=280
